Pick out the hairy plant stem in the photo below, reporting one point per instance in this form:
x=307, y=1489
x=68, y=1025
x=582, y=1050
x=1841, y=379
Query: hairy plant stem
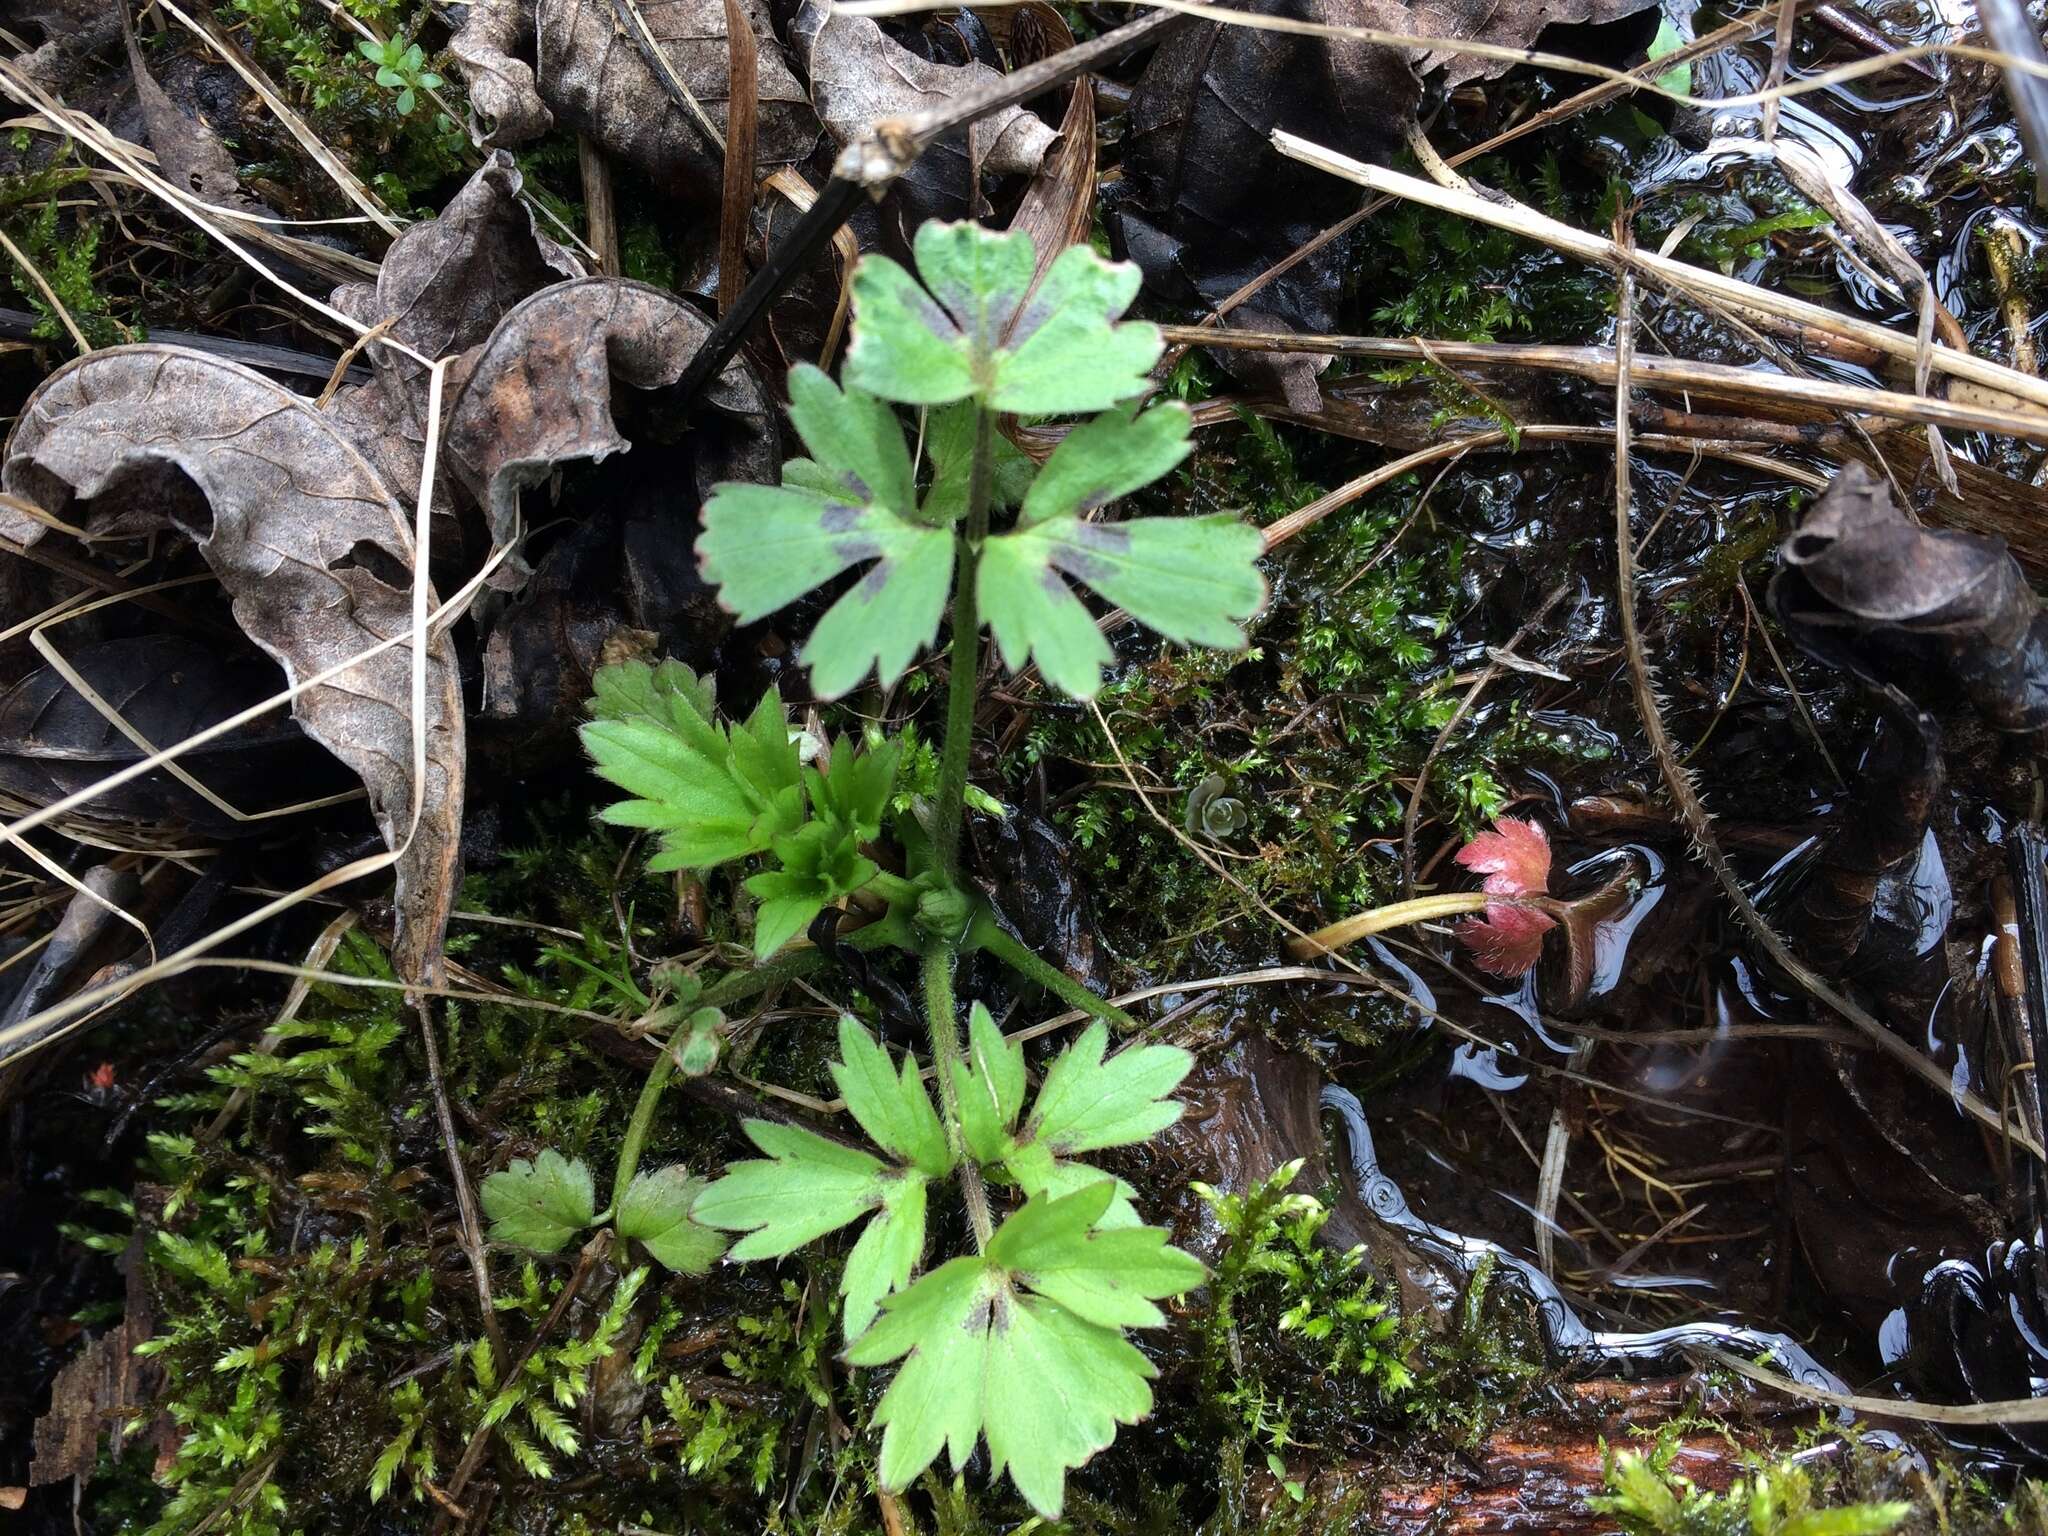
x=965, y=665
x=642, y=1121
x=945, y=1035
x=989, y=936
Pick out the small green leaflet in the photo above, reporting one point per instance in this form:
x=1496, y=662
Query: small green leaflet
x=949, y=444
x=853, y=502
x=980, y=331
x=991, y=1083
x=808, y=1186
x=1084, y=1104
x=891, y=1106
x=539, y=1205
x=713, y=794
x=820, y=864
x=1192, y=579
x=992, y=1353
x=656, y=1211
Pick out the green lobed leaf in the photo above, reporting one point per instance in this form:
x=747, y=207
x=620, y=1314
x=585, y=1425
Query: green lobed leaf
x=949, y=444
x=1102, y=1277
x=656, y=1211
x=886, y=1256
x=713, y=795
x=1086, y=1102
x=821, y=862
x=1038, y=1172
x=976, y=328
x=1044, y=1386
x=856, y=792
x=852, y=503
x=991, y=1083
x=805, y=1187
x=1192, y=579
x=540, y=1204
x=892, y=1107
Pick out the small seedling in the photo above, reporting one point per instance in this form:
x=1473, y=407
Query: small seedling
x=401, y=67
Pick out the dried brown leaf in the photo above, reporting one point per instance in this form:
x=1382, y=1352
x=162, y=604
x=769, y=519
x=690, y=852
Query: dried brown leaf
x=590, y=75
x=1058, y=208
x=859, y=76
x=540, y=393
x=443, y=285
x=307, y=541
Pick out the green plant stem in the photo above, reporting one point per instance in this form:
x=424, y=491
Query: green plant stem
x=965, y=663
x=791, y=964
x=642, y=1122
x=944, y=1029
x=988, y=935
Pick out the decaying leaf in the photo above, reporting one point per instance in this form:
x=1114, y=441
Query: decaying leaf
x=306, y=540
x=860, y=76
x=1866, y=590
x=188, y=152
x=539, y=393
x=167, y=687
x=589, y=73
x=443, y=285
x=1205, y=205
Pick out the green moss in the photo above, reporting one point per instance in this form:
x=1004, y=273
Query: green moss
x=63, y=245
x=396, y=140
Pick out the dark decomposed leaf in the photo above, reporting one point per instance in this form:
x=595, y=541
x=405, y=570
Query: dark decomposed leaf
x=443, y=285
x=308, y=543
x=189, y=154
x=590, y=73
x=1926, y=610
x=1205, y=204
x=167, y=687
x=539, y=393
x=861, y=76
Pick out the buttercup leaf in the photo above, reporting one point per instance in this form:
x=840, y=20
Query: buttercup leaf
x=656, y=1211
x=1086, y=1102
x=805, y=1187
x=713, y=796
x=1044, y=1385
x=540, y=1204
x=852, y=503
x=1101, y=1277
x=974, y=328
x=886, y=1255
x=1192, y=579
x=991, y=1083
x=1038, y=1172
x=892, y=1108
x=949, y=444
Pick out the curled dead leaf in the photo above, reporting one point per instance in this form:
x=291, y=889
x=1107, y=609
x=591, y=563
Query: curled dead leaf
x=860, y=76
x=441, y=288
x=310, y=546
x=540, y=393
x=590, y=74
